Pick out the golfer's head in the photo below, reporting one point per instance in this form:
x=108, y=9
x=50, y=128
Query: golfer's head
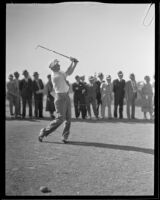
x=54, y=66
x=120, y=74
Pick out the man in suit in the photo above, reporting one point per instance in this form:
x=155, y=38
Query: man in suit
x=26, y=93
x=17, y=92
x=91, y=97
x=76, y=96
x=98, y=95
x=131, y=95
x=38, y=95
x=11, y=96
x=119, y=92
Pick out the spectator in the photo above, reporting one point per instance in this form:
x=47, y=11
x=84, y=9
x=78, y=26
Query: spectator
x=131, y=95
x=11, y=94
x=26, y=91
x=18, y=97
x=98, y=93
x=119, y=92
x=91, y=97
x=106, y=96
x=38, y=95
x=50, y=107
x=147, y=95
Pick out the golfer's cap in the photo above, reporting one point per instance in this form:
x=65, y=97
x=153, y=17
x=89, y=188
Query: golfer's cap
x=120, y=73
x=108, y=77
x=16, y=73
x=49, y=76
x=90, y=78
x=100, y=74
x=35, y=73
x=10, y=76
x=25, y=72
x=53, y=63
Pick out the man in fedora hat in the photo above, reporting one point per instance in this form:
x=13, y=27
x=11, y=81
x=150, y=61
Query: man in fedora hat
x=62, y=100
x=98, y=95
x=18, y=97
x=26, y=91
x=76, y=96
x=131, y=95
x=119, y=92
x=91, y=97
x=38, y=95
x=106, y=96
x=11, y=95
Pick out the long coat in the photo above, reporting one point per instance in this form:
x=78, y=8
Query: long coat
x=119, y=89
x=26, y=88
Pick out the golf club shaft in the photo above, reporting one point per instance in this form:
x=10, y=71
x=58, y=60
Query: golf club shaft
x=53, y=51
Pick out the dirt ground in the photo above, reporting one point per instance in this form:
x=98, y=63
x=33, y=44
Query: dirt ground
x=109, y=157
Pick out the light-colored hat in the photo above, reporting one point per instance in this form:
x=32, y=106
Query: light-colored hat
x=53, y=63
x=108, y=77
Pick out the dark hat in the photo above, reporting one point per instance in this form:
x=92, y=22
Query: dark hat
x=16, y=73
x=120, y=73
x=10, y=76
x=35, y=73
x=108, y=77
x=146, y=78
x=49, y=76
x=24, y=72
x=77, y=76
x=100, y=74
x=53, y=63
x=91, y=78
x=132, y=75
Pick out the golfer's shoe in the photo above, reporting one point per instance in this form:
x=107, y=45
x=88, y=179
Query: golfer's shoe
x=64, y=140
x=41, y=135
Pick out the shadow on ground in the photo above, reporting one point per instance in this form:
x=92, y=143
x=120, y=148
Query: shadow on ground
x=109, y=146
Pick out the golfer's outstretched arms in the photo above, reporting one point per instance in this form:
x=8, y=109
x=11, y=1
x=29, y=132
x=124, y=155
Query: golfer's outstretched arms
x=72, y=66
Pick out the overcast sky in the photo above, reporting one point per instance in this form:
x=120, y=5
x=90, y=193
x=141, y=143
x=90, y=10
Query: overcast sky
x=103, y=37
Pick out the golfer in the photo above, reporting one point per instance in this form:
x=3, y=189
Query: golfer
x=62, y=100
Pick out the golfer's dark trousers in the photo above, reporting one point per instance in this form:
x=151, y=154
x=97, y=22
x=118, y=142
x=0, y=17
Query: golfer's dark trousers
x=38, y=103
x=118, y=101
x=76, y=100
x=26, y=100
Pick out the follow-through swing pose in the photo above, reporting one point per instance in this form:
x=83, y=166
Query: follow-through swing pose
x=62, y=100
